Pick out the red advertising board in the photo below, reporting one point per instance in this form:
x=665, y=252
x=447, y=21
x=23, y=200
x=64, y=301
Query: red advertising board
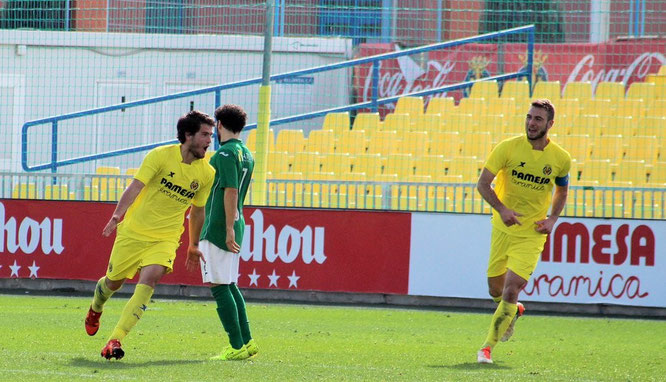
x=362, y=252
x=617, y=61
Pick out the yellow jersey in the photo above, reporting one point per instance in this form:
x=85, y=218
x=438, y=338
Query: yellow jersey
x=171, y=186
x=524, y=180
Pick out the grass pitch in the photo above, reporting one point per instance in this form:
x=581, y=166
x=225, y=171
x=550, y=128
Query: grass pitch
x=43, y=339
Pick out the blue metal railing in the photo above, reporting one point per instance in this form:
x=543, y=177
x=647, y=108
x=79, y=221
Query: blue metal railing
x=372, y=104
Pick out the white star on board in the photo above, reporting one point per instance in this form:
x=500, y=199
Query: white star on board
x=15, y=268
x=274, y=278
x=33, y=270
x=293, y=279
x=254, y=277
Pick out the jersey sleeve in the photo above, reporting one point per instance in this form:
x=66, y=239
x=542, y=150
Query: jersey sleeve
x=562, y=178
x=149, y=167
x=201, y=196
x=497, y=159
x=227, y=167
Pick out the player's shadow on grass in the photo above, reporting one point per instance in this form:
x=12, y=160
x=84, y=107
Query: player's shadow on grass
x=472, y=366
x=100, y=363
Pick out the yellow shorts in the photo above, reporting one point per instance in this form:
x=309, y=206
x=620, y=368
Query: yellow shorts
x=130, y=255
x=520, y=254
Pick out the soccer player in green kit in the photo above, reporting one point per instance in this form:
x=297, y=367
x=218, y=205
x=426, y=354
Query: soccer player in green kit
x=223, y=229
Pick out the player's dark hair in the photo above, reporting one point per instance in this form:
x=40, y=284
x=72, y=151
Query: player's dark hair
x=546, y=105
x=232, y=117
x=191, y=122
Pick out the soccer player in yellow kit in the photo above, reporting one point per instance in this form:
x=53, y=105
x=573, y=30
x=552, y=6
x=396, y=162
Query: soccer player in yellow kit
x=527, y=168
x=170, y=180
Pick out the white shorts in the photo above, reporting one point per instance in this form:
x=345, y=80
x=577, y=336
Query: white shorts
x=221, y=267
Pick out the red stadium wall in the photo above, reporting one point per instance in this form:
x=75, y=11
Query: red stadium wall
x=620, y=61
x=444, y=255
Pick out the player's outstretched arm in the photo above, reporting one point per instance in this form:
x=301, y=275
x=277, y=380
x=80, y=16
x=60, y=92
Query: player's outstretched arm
x=126, y=200
x=197, y=216
x=509, y=217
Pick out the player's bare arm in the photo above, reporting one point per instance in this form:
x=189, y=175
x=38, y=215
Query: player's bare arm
x=126, y=200
x=559, y=200
x=509, y=216
x=230, y=211
x=197, y=215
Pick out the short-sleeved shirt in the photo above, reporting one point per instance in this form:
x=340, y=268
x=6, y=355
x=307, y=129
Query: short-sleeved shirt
x=524, y=180
x=233, y=164
x=171, y=186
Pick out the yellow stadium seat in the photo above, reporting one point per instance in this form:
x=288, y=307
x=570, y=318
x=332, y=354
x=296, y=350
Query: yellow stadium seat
x=568, y=107
x=550, y=90
x=56, y=192
x=476, y=144
x=580, y=90
x=631, y=108
x=516, y=90
x=457, y=122
x=485, y=89
x=24, y=191
x=337, y=122
x=434, y=166
x=588, y=124
x=467, y=167
x=609, y=90
x=633, y=171
x=251, y=140
x=642, y=90
x=291, y=141
x=384, y=143
x=409, y=105
x=441, y=106
x=662, y=70
x=352, y=142
x=597, y=107
x=577, y=145
x=597, y=170
x=493, y=124
x=427, y=122
x=504, y=105
x=286, y=191
x=306, y=163
x=617, y=125
x=370, y=164
x=446, y=143
x=400, y=164
x=474, y=106
x=369, y=122
x=641, y=148
x=413, y=142
x=396, y=122
x=336, y=163
x=277, y=162
x=321, y=141
x=657, y=174
x=658, y=109
x=607, y=147
x=108, y=186
x=91, y=193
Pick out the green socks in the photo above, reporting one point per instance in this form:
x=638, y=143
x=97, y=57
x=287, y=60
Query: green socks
x=102, y=293
x=133, y=311
x=501, y=319
x=228, y=313
x=242, y=314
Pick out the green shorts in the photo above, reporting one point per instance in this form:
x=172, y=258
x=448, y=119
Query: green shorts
x=520, y=254
x=129, y=255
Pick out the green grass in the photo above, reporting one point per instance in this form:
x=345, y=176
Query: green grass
x=42, y=338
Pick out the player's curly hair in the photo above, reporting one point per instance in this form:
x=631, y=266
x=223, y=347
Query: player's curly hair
x=232, y=117
x=546, y=105
x=190, y=123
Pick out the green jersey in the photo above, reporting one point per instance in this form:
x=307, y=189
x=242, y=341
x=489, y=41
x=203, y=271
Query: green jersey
x=233, y=164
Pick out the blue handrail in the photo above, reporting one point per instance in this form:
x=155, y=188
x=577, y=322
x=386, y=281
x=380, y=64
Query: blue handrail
x=373, y=104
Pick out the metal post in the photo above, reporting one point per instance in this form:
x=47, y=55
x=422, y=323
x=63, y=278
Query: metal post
x=264, y=112
x=54, y=148
x=375, y=85
x=530, y=59
x=218, y=103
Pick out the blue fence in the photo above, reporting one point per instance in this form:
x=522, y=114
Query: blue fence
x=373, y=104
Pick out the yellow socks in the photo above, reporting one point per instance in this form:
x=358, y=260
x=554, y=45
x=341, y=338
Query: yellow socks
x=497, y=299
x=501, y=319
x=102, y=293
x=133, y=311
